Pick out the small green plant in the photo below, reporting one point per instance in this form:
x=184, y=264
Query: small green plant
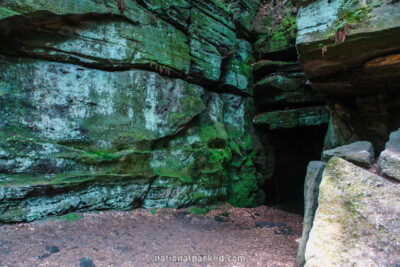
x=153, y=211
x=350, y=17
x=200, y=210
x=70, y=217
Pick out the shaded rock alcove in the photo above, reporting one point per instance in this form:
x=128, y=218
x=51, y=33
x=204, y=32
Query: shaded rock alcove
x=294, y=149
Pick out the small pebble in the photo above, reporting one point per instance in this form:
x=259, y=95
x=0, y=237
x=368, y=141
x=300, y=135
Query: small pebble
x=41, y=257
x=52, y=249
x=85, y=262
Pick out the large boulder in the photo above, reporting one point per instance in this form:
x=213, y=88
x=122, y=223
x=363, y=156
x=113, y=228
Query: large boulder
x=389, y=159
x=357, y=220
x=361, y=152
x=314, y=173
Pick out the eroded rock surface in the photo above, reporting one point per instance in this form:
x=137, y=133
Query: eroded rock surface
x=361, y=152
x=349, y=51
x=389, y=159
x=356, y=222
x=312, y=181
x=110, y=106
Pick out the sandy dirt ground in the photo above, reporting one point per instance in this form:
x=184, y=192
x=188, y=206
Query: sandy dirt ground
x=226, y=236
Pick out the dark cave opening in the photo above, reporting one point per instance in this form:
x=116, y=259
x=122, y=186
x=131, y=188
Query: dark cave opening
x=294, y=149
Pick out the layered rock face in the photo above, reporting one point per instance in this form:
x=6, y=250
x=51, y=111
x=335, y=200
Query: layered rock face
x=289, y=112
x=349, y=51
x=140, y=104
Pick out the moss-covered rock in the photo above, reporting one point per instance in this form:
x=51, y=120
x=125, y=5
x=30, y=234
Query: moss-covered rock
x=97, y=109
x=246, y=173
x=279, y=29
x=237, y=72
x=94, y=115
x=100, y=42
x=356, y=222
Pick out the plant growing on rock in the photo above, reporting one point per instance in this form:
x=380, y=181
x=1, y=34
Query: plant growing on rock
x=276, y=19
x=349, y=18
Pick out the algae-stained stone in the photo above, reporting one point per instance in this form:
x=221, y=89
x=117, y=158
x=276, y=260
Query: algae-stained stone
x=132, y=10
x=167, y=192
x=28, y=202
x=357, y=220
x=219, y=13
x=210, y=39
x=389, y=159
x=205, y=26
x=69, y=104
x=207, y=130
x=283, y=87
x=246, y=171
x=235, y=114
x=314, y=173
x=101, y=42
x=206, y=60
x=361, y=152
x=176, y=12
x=300, y=117
x=244, y=12
x=238, y=72
x=280, y=34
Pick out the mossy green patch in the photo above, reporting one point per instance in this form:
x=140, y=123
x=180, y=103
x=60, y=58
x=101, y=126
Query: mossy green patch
x=282, y=30
x=200, y=210
x=284, y=34
x=12, y=215
x=70, y=217
x=214, y=136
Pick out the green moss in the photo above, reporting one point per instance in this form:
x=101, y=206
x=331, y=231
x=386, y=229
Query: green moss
x=214, y=136
x=11, y=215
x=281, y=34
x=244, y=190
x=284, y=35
x=198, y=196
x=352, y=16
x=174, y=164
x=72, y=217
x=5, y=13
x=200, y=210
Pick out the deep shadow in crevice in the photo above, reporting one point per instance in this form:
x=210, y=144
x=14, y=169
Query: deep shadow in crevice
x=294, y=149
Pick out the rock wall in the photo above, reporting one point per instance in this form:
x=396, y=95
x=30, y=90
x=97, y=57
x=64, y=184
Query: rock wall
x=117, y=106
x=349, y=51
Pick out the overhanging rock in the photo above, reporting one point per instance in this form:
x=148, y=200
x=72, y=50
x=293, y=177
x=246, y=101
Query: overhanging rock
x=308, y=116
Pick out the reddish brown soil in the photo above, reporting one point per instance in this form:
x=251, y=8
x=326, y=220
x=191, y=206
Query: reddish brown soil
x=135, y=238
